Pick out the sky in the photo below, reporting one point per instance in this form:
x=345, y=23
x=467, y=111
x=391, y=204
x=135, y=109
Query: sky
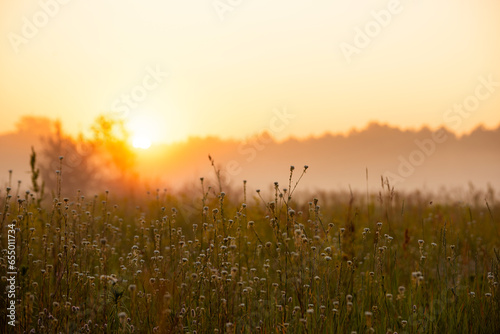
x=233, y=68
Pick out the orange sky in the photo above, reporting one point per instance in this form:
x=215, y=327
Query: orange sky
x=234, y=70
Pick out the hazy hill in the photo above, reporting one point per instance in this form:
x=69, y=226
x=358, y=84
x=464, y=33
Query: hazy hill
x=339, y=161
x=335, y=161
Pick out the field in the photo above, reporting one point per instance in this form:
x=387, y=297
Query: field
x=216, y=260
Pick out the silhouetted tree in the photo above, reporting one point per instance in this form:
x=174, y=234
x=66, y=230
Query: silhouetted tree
x=76, y=170
x=110, y=138
x=103, y=161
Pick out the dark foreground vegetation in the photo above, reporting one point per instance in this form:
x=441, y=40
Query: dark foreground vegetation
x=206, y=261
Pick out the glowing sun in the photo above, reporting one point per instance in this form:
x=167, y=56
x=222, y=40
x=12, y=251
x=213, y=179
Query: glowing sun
x=141, y=141
x=142, y=128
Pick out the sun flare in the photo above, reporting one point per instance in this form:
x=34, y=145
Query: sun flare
x=143, y=129
x=141, y=141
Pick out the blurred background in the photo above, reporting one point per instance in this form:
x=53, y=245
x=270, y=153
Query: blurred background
x=137, y=95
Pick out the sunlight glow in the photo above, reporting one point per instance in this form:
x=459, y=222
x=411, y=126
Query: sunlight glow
x=144, y=129
x=141, y=141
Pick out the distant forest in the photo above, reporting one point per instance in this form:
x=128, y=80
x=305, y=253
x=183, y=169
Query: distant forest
x=406, y=159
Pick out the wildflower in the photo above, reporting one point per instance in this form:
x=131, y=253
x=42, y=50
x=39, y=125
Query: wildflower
x=112, y=279
x=401, y=294
x=368, y=316
x=122, y=316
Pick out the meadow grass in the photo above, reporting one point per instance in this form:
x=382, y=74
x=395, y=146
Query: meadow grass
x=252, y=262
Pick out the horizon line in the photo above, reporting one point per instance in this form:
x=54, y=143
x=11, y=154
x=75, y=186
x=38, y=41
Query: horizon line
x=347, y=133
